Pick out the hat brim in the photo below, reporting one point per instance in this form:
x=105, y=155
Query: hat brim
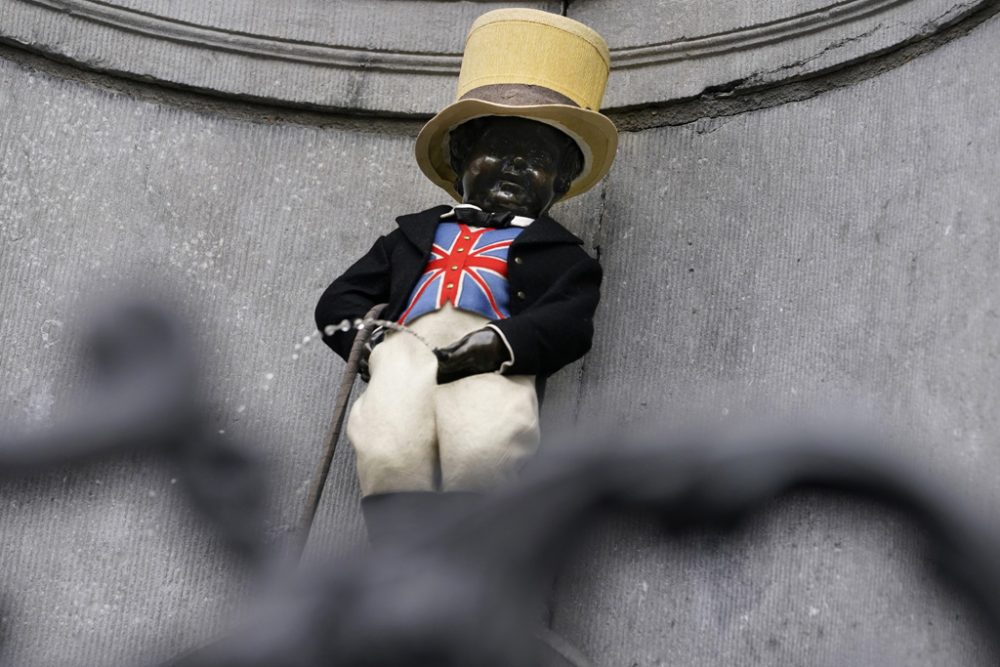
x=593, y=132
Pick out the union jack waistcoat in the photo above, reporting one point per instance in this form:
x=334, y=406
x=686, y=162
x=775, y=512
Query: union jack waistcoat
x=468, y=269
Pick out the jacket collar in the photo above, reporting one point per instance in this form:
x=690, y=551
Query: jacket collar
x=419, y=228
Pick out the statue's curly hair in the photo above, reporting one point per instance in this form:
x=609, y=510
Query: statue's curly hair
x=464, y=137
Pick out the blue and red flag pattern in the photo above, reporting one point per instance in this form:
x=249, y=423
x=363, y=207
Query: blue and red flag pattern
x=468, y=269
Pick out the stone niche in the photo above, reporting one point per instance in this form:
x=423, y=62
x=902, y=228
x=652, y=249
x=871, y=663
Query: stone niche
x=400, y=57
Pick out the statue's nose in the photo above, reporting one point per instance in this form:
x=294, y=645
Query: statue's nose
x=515, y=163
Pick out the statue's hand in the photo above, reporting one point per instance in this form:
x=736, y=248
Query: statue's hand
x=481, y=351
x=363, y=368
x=364, y=371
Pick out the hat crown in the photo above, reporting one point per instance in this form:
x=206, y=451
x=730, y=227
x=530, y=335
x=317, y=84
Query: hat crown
x=527, y=47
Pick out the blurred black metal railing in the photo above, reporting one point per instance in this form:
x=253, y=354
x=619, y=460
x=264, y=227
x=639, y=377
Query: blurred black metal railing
x=461, y=592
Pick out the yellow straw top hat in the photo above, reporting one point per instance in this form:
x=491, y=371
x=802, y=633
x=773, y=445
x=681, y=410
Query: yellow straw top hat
x=535, y=65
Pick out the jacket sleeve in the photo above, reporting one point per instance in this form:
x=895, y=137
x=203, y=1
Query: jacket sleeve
x=558, y=327
x=353, y=294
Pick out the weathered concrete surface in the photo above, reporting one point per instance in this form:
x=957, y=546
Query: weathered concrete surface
x=401, y=58
x=840, y=251
x=385, y=55
x=245, y=223
x=664, y=51
x=839, y=254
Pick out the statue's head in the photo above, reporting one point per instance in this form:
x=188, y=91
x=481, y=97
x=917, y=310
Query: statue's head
x=507, y=163
x=531, y=86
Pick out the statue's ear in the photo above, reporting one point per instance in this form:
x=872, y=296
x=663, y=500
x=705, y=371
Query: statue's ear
x=562, y=184
x=570, y=165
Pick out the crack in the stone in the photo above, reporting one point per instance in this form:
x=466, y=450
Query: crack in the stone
x=927, y=29
x=762, y=77
x=738, y=97
x=726, y=88
x=598, y=242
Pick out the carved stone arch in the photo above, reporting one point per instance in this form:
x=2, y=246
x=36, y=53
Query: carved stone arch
x=746, y=45
x=369, y=56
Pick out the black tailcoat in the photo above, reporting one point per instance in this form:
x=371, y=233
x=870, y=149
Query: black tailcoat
x=554, y=290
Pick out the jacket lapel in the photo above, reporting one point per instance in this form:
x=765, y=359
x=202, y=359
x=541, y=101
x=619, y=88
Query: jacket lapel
x=419, y=228
x=546, y=230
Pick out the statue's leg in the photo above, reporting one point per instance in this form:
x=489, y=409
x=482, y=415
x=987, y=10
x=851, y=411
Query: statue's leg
x=487, y=427
x=487, y=424
x=392, y=424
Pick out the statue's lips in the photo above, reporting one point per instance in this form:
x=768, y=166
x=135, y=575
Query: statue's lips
x=511, y=187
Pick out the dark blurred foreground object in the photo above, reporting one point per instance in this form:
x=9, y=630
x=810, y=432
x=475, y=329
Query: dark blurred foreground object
x=463, y=590
x=142, y=397
x=460, y=594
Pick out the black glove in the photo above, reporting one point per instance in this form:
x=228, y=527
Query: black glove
x=482, y=351
x=363, y=370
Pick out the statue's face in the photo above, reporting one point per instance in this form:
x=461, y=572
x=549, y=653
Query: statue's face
x=514, y=166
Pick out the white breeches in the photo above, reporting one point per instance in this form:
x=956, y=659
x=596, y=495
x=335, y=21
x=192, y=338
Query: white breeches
x=411, y=434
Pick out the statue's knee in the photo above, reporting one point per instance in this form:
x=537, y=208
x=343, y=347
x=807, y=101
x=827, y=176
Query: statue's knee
x=381, y=470
x=477, y=468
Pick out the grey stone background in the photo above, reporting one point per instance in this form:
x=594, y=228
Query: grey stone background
x=834, y=247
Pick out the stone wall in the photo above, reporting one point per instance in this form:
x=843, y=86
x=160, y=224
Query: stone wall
x=837, y=248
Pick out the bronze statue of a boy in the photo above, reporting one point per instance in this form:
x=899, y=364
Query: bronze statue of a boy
x=503, y=293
